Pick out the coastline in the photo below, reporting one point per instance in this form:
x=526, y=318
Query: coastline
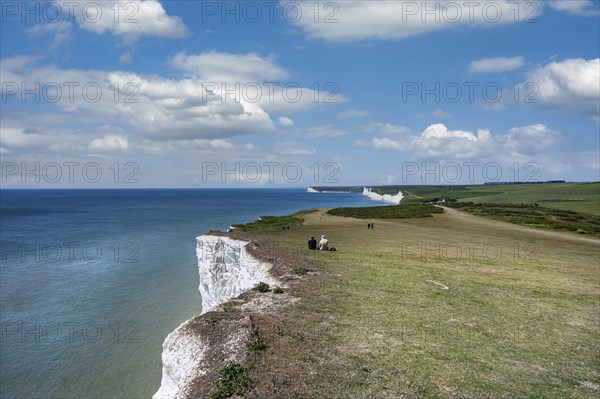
x=229, y=267
x=345, y=326
x=368, y=192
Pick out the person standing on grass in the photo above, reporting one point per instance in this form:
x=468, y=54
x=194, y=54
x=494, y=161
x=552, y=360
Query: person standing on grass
x=323, y=244
x=312, y=243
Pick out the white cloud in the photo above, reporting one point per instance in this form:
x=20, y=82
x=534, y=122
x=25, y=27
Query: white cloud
x=576, y=7
x=60, y=31
x=352, y=113
x=440, y=113
x=255, y=79
x=438, y=142
x=110, y=142
x=150, y=110
x=385, y=143
x=396, y=19
x=385, y=128
x=134, y=18
x=126, y=58
x=572, y=84
x=226, y=67
x=283, y=121
x=325, y=131
x=291, y=148
x=496, y=64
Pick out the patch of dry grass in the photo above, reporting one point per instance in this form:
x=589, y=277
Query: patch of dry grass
x=519, y=317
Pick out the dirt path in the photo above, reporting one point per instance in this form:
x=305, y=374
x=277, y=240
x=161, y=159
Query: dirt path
x=482, y=221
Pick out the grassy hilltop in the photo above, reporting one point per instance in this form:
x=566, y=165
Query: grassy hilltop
x=452, y=305
x=579, y=197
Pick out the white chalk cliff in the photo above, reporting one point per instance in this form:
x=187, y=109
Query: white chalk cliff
x=226, y=271
x=385, y=197
x=312, y=190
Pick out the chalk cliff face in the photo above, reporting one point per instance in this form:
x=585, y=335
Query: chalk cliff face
x=395, y=199
x=226, y=271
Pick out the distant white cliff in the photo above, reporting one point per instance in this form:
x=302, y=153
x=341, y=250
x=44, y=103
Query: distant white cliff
x=226, y=271
x=385, y=197
x=312, y=190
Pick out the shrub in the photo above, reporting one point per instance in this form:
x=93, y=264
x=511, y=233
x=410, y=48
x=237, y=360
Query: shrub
x=262, y=287
x=301, y=271
x=256, y=344
x=277, y=290
x=228, y=307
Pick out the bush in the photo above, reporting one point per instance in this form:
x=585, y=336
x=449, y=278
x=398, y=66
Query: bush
x=256, y=344
x=233, y=380
x=228, y=307
x=262, y=287
x=277, y=290
x=301, y=271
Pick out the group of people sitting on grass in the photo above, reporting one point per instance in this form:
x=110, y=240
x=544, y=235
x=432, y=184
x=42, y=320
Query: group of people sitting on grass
x=323, y=245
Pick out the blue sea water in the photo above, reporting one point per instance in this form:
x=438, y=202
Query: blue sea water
x=92, y=281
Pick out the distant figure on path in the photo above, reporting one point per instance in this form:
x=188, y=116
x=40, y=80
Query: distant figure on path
x=324, y=244
x=368, y=226
x=312, y=243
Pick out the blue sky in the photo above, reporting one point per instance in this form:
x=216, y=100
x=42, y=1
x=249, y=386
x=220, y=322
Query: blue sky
x=378, y=92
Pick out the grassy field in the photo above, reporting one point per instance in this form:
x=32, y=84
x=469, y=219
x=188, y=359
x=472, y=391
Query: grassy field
x=449, y=306
x=388, y=212
x=535, y=216
x=579, y=197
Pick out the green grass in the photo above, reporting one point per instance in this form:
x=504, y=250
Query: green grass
x=388, y=212
x=271, y=222
x=256, y=344
x=233, y=380
x=520, y=317
x=277, y=290
x=262, y=287
x=579, y=197
x=535, y=216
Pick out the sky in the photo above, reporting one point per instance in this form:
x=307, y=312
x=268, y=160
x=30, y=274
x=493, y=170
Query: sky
x=253, y=94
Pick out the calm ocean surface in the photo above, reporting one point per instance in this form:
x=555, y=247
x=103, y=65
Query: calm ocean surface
x=92, y=281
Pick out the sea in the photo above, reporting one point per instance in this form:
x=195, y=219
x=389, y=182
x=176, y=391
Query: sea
x=92, y=281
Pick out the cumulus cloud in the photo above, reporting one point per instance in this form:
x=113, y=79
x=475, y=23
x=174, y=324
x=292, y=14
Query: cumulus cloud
x=352, y=113
x=60, y=31
x=126, y=58
x=397, y=19
x=254, y=79
x=496, y=64
x=110, y=142
x=129, y=19
x=292, y=148
x=226, y=67
x=283, y=121
x=576, y=7
x=438, y=142
x=440, y=113
x=145, y=107
x=571, y=84
x=385, y=128
x=325, y=131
